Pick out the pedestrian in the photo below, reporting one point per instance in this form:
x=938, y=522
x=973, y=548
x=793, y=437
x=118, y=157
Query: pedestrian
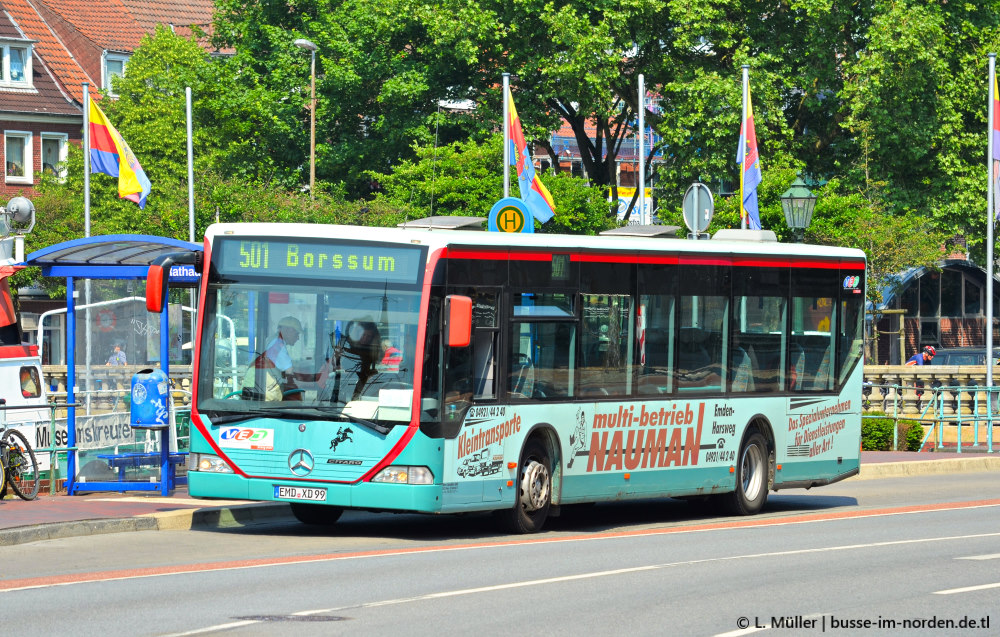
x=117, y=357
x=923, y=357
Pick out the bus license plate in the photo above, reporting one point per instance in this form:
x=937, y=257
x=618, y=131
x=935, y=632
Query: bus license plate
x=299, y=493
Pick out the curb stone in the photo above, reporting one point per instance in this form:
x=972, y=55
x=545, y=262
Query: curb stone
x=179, y=520
x=877, y=470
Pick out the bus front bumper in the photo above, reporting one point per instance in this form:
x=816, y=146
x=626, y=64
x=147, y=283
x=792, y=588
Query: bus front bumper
x=362, y=495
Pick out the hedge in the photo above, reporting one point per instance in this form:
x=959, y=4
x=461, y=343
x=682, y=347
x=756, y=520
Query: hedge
x=876, y=434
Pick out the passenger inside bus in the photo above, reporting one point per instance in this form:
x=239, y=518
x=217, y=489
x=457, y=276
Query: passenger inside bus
x=362, y=344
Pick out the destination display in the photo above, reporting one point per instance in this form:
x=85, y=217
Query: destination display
x=318, y=260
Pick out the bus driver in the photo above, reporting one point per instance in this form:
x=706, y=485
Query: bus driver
x=271, y=376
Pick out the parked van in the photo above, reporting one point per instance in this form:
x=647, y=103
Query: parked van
x=964, y=356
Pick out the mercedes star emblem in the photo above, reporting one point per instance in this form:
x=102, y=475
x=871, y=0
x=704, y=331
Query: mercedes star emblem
x=301, y=462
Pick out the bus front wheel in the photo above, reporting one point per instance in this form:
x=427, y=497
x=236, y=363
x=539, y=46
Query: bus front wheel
x=534, y=480
x=751, y=477
x=316, y=514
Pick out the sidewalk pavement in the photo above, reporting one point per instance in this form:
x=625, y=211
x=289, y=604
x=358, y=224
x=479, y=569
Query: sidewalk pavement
x=58, y=516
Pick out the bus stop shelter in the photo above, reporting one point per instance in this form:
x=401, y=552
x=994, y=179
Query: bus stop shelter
x=111, y=257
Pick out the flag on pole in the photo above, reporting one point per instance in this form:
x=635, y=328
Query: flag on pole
x=533, y=193
x=109, y=154
x=750, y=176
x=996, y=152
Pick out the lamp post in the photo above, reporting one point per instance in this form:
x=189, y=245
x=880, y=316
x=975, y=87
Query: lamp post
x=311, y=47
x=798, y=203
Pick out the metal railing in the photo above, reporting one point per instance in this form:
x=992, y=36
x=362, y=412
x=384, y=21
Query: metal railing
x=936, y=407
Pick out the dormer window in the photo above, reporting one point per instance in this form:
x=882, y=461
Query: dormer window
x=15, y=70
x=114, y=66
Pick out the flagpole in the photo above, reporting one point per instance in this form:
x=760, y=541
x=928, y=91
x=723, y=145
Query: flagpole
x=743, y=143
x=642, y=152
x=190, y=149
x=506, y=135
x=86, y=159
x=989, y=225
x=86, y=233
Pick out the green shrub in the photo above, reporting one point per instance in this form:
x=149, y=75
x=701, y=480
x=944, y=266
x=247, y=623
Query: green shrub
x=876, y=434
x=914, y=436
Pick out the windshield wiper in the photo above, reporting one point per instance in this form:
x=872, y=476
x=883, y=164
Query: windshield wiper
x=233, y=417
x=382, y=429
x=338, y=416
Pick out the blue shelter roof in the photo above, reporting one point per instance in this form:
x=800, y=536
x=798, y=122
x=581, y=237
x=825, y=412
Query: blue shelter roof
x=113, y=256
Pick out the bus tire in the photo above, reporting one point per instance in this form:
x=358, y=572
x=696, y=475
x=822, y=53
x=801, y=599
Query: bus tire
x=752, y=472
x=316, y=514
x=534, y=480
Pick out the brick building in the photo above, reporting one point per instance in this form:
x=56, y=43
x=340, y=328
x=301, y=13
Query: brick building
x=48, y=49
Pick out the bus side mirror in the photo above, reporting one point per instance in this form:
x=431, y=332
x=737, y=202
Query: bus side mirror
x=156, y=288
x=159, y=273
x=458, y=309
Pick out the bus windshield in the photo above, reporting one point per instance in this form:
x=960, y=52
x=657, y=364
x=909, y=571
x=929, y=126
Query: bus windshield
x=306, y=347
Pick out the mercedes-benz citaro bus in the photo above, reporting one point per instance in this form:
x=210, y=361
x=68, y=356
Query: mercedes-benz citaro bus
x=443, y=371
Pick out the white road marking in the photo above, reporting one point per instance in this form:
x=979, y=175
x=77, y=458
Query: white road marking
x=967, y=589
x=619, y=571
x=994, y=556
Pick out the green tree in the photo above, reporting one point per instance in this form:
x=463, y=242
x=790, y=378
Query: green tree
x=378, y=90
x=467, y=179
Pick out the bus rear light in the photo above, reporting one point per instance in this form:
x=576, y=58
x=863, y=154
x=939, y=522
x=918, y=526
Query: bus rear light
x=401, y=474
x=512, y=465
x=208, y=463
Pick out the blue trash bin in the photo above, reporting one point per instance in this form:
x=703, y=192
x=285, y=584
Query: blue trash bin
x=149, y=407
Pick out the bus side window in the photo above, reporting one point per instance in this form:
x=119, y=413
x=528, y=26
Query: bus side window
x=540, y=365
x=814, y=326
x=607, y=338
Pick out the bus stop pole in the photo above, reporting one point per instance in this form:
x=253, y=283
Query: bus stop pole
x=70, y=390
x=165, y=481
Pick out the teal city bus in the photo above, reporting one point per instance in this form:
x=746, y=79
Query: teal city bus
x=446, y=371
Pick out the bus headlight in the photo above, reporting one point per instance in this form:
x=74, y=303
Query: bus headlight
x=208, y=463
x=400, y=474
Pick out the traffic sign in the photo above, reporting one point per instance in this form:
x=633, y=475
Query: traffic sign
x=510, y=215
x=698, y=207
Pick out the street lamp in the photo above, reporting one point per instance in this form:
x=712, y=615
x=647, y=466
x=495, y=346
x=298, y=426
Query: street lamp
x=311, y=47
x=798, y=203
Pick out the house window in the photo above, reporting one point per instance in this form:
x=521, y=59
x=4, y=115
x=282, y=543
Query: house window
x=16, y=65
x=54, y=154
x=114, y=66
x=17, y=157
x=973, y=299
x=951, y=293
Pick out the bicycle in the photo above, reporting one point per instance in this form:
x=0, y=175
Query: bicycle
x=17, y=461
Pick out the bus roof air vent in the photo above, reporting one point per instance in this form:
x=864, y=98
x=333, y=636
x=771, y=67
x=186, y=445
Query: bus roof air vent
x=445, y=223
x=666, y=232
x=738, y=234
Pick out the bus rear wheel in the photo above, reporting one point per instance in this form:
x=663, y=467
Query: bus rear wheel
x=534, y=480
x=752, y=473
x=316, y=514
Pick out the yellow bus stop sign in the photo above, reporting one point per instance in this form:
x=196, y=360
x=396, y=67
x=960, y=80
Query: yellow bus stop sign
x=510, y=215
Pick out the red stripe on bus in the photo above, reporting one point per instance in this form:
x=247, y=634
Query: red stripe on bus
x=459, y=253
x=749, y=261
x=453, y=253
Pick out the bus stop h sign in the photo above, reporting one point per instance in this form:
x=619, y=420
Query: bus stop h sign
x=510, y=215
